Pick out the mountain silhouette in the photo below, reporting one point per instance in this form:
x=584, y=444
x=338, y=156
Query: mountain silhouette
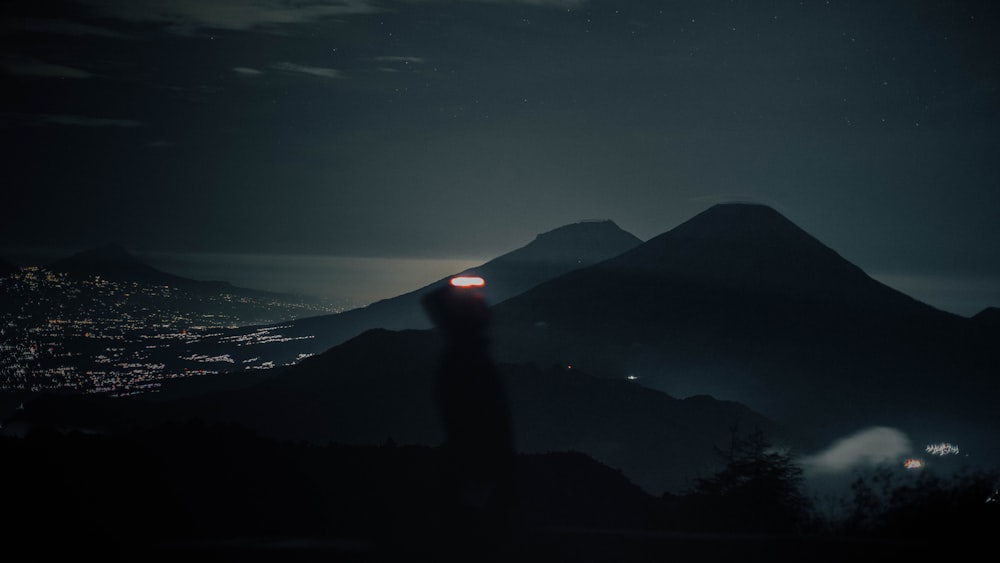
x=740, y=303
x=988, y=317
x=114, y=262
x=549, y=255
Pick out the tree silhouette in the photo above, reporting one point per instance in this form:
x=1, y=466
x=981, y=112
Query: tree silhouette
x=885, y=503
x=759, y=490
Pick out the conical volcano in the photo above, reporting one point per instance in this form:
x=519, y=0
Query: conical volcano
x=742, y=304
x=753, y=248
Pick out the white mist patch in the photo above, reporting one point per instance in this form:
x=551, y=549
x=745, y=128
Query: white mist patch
x=869, y=447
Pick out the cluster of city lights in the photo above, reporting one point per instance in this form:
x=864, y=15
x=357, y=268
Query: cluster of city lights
x=208, y=359
x=105, y=336
x=942, y=449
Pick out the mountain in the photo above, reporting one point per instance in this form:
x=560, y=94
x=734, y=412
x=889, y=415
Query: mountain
x=549, y=255
x=114, y=262
x=742, y=304
x=988, y=318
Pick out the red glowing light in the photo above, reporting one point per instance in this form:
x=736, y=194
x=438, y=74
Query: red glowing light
x=468, y=281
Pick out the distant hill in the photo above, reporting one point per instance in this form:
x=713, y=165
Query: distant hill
x=549, y=255
x=740, y=303
x=114, y=262
x=988, y=317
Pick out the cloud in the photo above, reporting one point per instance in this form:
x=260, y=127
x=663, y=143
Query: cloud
x=185, y=15
x=539, y=3
x=246, y=71
x=399, y=59
x=62, y=27
x=869, y=447
x=86, y=121
x=310, y=70
x=27, y=66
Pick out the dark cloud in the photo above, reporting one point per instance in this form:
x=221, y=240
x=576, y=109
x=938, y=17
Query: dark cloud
x=319, y=71
x=187, y=15
x=29, y=66
x=87, y=121
x=60, y=27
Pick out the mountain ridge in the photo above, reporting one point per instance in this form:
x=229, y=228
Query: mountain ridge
x=115, y=262
x=740, y=303
x=548, y=255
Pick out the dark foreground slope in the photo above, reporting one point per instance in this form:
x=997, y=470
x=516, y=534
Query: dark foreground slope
x=175, y=491
x=200, y=491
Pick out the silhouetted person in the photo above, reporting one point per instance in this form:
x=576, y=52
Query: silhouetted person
x=478, y=443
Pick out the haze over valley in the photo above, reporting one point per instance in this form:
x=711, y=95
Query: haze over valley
x=730, y=280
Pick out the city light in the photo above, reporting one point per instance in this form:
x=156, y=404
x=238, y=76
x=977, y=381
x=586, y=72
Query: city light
x=98, y=335
x=942, y=449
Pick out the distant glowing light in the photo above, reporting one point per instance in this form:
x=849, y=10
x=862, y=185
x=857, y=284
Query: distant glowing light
x=468, y=281
x=913, y=463
x=631, y=377
x=942, y=449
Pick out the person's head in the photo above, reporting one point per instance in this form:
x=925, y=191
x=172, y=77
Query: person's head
x=459, y=309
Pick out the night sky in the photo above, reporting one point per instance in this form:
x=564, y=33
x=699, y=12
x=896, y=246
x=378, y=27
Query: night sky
x=460, y=130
